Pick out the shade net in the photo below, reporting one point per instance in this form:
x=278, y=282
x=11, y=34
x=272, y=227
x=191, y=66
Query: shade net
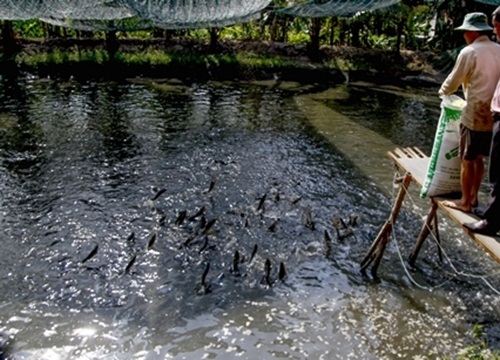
x=330, y=8
x=134, y=14
x=490, y=2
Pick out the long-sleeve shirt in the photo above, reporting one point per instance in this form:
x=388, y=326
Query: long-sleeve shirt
x=477, y=69
x=495, y=102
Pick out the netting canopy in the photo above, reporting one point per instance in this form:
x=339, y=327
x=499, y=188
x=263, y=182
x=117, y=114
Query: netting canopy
x=490, y=2
x=108, y=14
x=315, y=8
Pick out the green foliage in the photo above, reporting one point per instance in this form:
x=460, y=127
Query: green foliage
x=247, y=31
x=197, y=34
x=29, y=28
x=259, y=61
x=298, y=31
x=58, y=57
x=407, y=25
x=138, y=34
x=298, y=38
x=479, y=350
x=152, y=57
x=149, y=57
x=380, y=41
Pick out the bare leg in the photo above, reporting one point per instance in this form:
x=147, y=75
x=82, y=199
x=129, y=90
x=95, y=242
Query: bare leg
x=478, y=177
x=467, y=183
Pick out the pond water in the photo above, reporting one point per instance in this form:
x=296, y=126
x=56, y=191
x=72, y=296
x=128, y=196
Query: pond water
x=150, y=220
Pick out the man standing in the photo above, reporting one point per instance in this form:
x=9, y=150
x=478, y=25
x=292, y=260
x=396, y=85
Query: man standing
x=490, y=225
x=477, y=70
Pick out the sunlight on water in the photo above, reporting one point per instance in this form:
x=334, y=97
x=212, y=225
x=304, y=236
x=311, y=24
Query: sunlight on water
x=156, y=221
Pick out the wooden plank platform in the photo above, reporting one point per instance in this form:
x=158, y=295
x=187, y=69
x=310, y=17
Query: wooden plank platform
x=414, y=161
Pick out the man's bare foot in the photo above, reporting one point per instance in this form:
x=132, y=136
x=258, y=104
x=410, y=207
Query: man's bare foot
x=458, y=205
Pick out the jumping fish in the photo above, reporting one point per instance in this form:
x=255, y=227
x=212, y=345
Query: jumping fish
x=282, y=271
x=162, y=220
x=296, y=200
x=328, y=244
x=209, y=226
x=327, y=236
x=188, y=240
x=54, y=242
x=236, y=260
x=353, y=219
x=267, y=272
x=91, y=254
x=261, y=202
x=181, y=217
x=158, y=194
x=205, y=244
x=204, y=275
x=343, y=233
x=254, y=251
x=307, y=219
x=212, y=185
x=338, y=223
x=130, y=264
x=204, y=288
x=198, y=213
x=131, y=237
x=203, y=222
x=273, y=226
x=152, y=240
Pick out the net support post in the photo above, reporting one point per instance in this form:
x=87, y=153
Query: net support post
x=427, y=227
x=377, y=248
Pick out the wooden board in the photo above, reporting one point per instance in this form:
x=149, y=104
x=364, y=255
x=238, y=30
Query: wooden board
x=414, y=161
x=411, y=160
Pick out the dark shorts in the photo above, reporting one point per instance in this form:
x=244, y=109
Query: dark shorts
x=474, y=143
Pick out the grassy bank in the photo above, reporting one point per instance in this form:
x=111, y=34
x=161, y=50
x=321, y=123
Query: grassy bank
x=229, y=60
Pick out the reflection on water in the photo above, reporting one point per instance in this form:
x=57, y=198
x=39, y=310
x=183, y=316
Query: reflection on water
x=150, y=221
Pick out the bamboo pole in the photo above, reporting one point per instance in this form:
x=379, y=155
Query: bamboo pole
x=426, y=229
x=438, y=239
x=377, y=248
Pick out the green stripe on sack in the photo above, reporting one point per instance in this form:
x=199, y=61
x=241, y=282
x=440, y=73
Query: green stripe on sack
x=449, y=114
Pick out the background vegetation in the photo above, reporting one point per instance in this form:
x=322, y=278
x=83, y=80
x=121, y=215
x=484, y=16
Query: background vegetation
x=411, y=24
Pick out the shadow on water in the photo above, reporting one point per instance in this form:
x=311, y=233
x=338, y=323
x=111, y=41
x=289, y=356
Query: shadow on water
x=173, y=212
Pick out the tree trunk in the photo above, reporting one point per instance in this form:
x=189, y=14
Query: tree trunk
x=9, y=42
x=314, y=53
x=274, y=31
x=284, y=29
x=111, y=44
x=355, y=30
x=399, y=37
x=333, y=23
x=214, y=39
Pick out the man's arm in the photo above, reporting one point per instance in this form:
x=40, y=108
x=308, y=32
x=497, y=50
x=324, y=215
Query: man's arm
x=458, y=75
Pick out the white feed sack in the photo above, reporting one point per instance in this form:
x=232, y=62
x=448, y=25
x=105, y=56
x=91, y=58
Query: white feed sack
x=443, y=171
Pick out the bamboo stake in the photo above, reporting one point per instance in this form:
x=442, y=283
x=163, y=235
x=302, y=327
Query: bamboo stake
x=426, y=229
x=383, y=236
x=438, y=239
x=379, y=255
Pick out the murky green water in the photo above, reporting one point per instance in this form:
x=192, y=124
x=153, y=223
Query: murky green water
x=103, y=254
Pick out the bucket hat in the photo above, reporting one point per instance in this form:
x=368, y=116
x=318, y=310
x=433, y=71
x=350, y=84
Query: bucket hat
x=476, y=21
